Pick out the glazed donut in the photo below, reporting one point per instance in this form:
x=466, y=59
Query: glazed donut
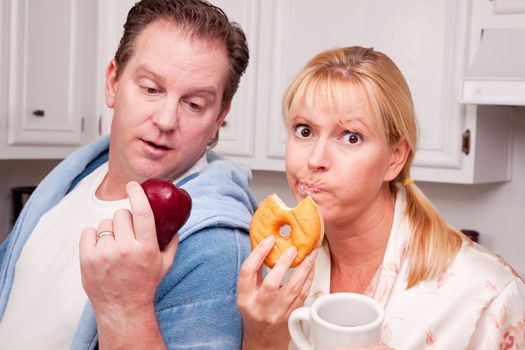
x=305, y=221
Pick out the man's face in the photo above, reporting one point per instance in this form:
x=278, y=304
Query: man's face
x=167, y=103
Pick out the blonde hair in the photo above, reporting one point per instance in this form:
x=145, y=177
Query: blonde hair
x=434, y=243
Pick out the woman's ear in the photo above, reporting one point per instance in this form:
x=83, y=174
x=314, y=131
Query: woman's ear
x=398, y=158
x=111, y=82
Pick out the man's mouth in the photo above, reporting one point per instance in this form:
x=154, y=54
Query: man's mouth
x=157, y=146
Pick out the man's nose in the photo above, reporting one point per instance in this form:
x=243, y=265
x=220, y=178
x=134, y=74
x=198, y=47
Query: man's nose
x=166, y=117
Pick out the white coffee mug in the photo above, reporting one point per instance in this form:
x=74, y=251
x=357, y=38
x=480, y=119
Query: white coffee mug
x=338, y=320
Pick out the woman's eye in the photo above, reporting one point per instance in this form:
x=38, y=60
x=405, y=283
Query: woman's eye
x=352, y=138
x=302, y=131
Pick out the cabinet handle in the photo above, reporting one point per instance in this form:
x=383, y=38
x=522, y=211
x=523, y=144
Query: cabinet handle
x=39, y=113
x=465, y=144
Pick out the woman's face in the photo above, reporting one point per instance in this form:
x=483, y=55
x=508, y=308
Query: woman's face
x=341, y=158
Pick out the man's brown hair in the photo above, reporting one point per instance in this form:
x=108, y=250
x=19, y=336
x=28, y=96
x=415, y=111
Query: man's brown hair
x=199, y=18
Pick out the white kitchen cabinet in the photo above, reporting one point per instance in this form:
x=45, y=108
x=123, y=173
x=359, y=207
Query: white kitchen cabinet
x=237, y=135
x=47, y=68
x=429, y=42
x=111, y=17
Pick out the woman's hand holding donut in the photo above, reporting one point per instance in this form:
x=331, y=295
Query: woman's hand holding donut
x=266, y=303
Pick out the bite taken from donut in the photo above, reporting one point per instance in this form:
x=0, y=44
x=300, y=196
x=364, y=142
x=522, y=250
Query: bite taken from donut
x=305, y=222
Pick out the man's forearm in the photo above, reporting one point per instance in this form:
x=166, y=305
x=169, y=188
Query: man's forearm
x=137, y=331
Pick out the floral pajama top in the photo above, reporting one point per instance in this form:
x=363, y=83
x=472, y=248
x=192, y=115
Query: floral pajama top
x=477, y=303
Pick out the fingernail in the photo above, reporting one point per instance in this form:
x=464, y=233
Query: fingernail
x=268, y=240
x=313, y=255
x=291, y=252
x=131, y=185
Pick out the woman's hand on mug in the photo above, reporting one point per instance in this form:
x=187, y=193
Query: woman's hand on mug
x=266, y=303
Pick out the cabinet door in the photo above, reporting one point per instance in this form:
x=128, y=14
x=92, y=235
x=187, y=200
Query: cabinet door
x=47, y=46
x=111, y=16
x=237, y=135
x=424, y=38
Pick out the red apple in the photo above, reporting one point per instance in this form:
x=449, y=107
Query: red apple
x=171, y=208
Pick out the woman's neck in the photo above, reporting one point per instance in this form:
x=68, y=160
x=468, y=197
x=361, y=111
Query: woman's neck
x=357, y=248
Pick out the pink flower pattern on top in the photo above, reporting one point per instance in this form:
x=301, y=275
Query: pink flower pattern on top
x=477, y=303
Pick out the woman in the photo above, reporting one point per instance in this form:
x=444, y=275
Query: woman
x=352, y=137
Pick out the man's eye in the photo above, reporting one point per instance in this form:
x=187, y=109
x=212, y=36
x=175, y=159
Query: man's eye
x=302, y=131
x=352, y=138
x=194, y=106
x=151, y=90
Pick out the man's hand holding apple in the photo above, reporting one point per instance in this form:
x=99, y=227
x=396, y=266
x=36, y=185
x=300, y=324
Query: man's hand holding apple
x=121, y=273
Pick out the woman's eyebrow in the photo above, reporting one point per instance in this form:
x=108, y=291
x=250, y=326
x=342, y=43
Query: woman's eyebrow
x=305, y=119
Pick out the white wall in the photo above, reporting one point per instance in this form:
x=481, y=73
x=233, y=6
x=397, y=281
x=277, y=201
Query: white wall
x=496, y=211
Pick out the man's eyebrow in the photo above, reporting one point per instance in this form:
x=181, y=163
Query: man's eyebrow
x=205, y=90
x=146, y=70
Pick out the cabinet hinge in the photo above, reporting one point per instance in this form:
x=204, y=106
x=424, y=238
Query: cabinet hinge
x=99, y=125
x=465, y=143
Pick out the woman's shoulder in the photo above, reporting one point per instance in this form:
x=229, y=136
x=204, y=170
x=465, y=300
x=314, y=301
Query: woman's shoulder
x=483, y=268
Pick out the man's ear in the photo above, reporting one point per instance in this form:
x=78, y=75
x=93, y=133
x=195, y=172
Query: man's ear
x=398, y=159
x=110, y=85
x=223, y=114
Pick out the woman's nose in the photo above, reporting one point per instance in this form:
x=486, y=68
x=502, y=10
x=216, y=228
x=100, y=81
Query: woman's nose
x=166, y=116
x=319, y=158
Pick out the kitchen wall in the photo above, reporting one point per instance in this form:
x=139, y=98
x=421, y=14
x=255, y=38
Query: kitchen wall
x=18, y=173
x=497, y=210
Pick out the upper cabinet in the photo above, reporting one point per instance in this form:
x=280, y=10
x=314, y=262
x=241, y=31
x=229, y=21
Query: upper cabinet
x=47, y=70
x=237, y=134
x=429, y=42
x=54, y=54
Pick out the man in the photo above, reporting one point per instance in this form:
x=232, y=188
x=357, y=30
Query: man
x=170, y=84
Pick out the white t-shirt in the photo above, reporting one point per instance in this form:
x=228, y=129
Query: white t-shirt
x=47, y=297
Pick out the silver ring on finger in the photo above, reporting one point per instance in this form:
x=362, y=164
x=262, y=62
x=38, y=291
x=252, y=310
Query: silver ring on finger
x=105, y=233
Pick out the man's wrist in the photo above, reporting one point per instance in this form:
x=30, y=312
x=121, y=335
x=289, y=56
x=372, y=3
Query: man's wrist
x=135, y=327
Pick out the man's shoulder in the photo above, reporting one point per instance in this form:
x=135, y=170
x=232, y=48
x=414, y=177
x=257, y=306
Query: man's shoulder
x=221, y=250
x=197, y=298
x=207, y=264
x=224, y=243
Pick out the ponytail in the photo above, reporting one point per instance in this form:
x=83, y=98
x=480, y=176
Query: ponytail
x=434, y=244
